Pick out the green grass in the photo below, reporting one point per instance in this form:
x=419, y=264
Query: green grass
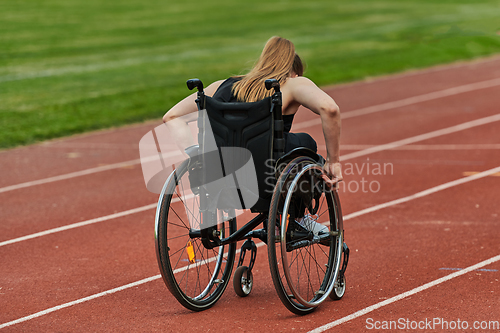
x=69, y=66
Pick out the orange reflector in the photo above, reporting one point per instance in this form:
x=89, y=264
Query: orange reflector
x=190, y=252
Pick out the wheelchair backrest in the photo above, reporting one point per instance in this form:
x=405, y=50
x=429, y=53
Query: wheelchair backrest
x=254, y=126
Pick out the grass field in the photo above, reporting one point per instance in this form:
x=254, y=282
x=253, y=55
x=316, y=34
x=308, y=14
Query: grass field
x=69, y=66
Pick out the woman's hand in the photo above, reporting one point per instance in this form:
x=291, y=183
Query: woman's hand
x=332, y=173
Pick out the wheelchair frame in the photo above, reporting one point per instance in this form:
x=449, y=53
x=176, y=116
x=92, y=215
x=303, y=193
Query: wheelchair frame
x=291, y=241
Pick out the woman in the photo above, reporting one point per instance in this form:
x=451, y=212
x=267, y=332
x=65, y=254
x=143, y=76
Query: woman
x=279, y=61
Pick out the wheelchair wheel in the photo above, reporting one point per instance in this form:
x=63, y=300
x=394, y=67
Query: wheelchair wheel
x=339, y=289
x=304, y=259
x=195, y=275
x=242, y=281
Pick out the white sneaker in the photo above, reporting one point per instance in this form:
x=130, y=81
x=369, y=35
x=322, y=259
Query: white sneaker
x=309, y=223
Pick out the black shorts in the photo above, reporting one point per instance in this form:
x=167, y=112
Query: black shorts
x=295, y=140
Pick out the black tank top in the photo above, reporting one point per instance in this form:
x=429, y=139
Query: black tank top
x=224, y=94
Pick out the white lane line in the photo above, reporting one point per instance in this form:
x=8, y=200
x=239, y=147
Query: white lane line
x=111, y=146
x=350, y=216
x=459, y=269
x=422, y=137
x=79, y=224
x=89, y=145
x=405, y=294
x=78, y=301
x=81, y=173
x=84, y=223
x=70, y=175
x=367, y=151
x=111, y=291
x=485, y=146
x=301, y=125
x=424, y=193
x=425, y=97
x=407, y=101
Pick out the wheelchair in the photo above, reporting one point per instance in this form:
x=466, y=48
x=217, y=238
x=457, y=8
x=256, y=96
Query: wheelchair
x=196, y=229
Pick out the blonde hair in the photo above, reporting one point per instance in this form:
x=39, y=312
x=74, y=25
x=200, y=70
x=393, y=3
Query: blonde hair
x=277, y=61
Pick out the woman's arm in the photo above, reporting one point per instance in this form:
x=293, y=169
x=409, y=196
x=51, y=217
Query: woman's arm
x=188, y=105
x=305, y=92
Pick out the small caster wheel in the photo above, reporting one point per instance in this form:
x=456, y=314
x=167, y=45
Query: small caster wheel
x=339, y=288
x=242, y=281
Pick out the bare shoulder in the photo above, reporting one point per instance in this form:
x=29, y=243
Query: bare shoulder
x=305, y=92
x=300, y=84
x=300, y=81
x=212, y=88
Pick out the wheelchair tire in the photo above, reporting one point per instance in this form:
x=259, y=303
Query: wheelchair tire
x=303, y=268
x=242, y=281
x=339, y=289
x=196, y=276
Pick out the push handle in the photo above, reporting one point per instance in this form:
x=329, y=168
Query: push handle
x=278, y=143
x=195, y=83
x=200, y=99
x=272, y=83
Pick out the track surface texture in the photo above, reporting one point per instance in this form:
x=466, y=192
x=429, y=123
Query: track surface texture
x=77, y=244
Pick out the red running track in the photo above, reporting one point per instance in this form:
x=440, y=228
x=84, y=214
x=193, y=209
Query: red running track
x=103, y=276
